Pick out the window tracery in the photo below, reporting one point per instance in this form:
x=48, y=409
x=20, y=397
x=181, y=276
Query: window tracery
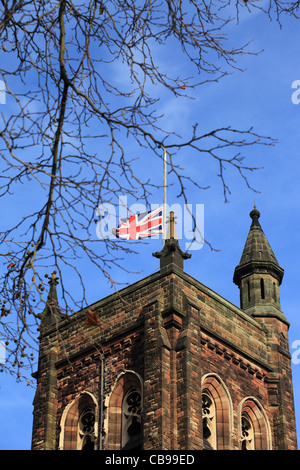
x=132, y=422
x=86, y=429
x=247, y=438
x=208, y=421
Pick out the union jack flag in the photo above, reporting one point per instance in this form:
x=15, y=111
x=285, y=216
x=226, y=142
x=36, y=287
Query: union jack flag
x=139, y=226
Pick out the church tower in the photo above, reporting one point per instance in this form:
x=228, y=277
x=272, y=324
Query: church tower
x=168, y=364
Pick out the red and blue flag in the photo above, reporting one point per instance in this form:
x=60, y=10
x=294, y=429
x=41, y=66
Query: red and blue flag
x=139, y=226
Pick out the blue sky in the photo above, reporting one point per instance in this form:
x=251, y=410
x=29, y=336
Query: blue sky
x=260, y=97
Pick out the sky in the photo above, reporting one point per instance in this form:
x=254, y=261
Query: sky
x=261, y=96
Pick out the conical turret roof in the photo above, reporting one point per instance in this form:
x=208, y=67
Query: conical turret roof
x=257, y=255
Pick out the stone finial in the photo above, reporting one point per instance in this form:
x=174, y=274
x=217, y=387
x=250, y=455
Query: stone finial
x=255, y=215
x=54, y=280
x=171, y=254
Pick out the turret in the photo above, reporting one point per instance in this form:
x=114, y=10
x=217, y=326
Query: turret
x=258, y=274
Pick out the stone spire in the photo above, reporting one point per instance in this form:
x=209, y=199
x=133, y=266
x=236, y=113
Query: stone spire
x=257, y=255
x=171, y=254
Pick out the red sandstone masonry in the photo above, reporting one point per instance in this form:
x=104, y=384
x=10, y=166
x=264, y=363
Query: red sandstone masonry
x=171, y=330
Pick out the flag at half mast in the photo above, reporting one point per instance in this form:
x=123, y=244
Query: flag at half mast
x=147, y=224
x=139, y=226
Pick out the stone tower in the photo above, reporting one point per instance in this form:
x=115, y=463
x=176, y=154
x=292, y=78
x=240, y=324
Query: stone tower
x=168, y=364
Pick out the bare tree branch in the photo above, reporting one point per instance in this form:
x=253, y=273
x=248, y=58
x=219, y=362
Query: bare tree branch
x=82, y=81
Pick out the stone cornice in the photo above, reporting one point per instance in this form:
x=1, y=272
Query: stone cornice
x=171, y=269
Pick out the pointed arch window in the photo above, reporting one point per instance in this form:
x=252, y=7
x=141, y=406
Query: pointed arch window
x=254, y=428
x=208, y=421
x=79, y=424
x=217, y=414
x=125, y=409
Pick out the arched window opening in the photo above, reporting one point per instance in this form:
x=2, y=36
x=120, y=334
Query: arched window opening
x=131, y=420
x=217, y=415
x=78, y=424
x=247, y=440
x=248, y=290
x=124, y=416
x=274, y=292
x=262, y=288
x=208, y=421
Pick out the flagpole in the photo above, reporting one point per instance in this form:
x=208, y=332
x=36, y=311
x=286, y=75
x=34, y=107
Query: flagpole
x=165, y=194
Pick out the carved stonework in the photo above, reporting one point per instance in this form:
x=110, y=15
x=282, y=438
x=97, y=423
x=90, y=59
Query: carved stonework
x=208, y=421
